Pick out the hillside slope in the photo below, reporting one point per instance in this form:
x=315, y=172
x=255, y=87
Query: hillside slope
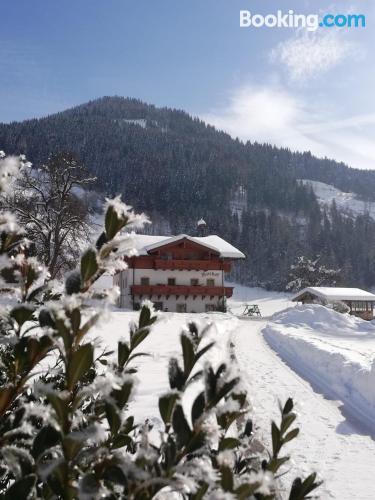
x=178, y=169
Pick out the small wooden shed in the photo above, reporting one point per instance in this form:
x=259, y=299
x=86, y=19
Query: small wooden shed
x=360, y=302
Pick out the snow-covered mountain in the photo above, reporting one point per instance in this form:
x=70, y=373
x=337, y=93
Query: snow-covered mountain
x=349, y=203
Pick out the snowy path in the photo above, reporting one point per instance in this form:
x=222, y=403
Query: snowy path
x=337, y=449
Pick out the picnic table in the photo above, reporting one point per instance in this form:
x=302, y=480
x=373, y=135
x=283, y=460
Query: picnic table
x=251, y=310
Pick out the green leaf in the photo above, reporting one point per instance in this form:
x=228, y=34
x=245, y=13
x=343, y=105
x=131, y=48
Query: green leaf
x=166, y=406
x=123, y=352
x=72, y=445
x=59, y=405
x=138, y=336
x=204, y=350
x=102, y=240
x=176, y=375
x=226, y=478
x=288, y=407
x=276, y=441
x=188, y=353
x=22, y=313
x=291, y=435
x=47, y=437
x=197, y=442
x=73, y=283
x=246, y=490
x=128, y=425
x=275, y=464
x=21, y=489
x=6, y=394
x=198, y=407
x=87, y=326
x=144, y=317
x=75, y=319
x=113, y=222
x=181, y=427
x=229, y=443
x=121, y=440
x=81, y=361
x=46, y=319
x=138, y=355
x=287, y=421
x=122, y=395
x=113, y=418
x=89, y=265
x=32, y=295
x=300, y=489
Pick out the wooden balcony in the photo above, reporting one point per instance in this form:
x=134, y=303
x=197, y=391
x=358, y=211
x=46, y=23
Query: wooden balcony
x=185, y=290
x=192, y=265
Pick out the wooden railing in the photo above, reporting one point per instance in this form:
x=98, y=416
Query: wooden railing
x=192, y=265
x=186, y=290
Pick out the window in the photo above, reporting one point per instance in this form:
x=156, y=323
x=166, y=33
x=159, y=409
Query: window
x=158, y=306
x=145, y=281
x=194, y=282
x=210, y=307
x=210, y=282
x=171, y=281
x=181, y=308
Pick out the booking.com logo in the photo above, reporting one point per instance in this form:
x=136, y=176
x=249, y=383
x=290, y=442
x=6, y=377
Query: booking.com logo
x=309, y=21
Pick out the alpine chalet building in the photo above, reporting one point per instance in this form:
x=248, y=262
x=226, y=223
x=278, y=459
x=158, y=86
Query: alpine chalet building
x=178, y=274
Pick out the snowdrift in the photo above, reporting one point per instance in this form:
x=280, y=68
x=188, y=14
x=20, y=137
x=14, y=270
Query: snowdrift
x=334, y=351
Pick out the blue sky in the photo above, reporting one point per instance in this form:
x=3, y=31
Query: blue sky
x=290, y=87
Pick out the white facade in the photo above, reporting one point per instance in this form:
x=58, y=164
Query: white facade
x=179, y=273
x=125, y=279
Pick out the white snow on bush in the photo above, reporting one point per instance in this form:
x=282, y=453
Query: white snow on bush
x=332, y=350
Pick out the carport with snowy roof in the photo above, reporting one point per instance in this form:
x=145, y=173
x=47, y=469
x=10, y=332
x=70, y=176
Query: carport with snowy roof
x=360, y=302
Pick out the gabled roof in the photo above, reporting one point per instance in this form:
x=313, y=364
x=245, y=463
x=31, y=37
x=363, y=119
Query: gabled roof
x=335, y=293
x=145, y=243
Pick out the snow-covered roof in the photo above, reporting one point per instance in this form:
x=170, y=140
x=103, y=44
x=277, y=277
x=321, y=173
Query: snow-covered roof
x=144, y=243
x=334, y=293
x=201, y=222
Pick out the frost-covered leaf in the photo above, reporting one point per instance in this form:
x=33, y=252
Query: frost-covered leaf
x=47, y=437
x=21, y=489
x=181, y=427
x=22, y=313
x=166, y=406
x=89, y=265
x=81, y=361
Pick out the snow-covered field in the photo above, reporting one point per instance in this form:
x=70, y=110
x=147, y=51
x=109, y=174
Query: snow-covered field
x=347, y=202
x=335, y=356
x=335, y=351
x=162, y=344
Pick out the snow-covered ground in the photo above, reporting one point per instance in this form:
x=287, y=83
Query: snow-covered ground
x=335, y=351
x=347, y=202
x=162, y=344
x=331, y=441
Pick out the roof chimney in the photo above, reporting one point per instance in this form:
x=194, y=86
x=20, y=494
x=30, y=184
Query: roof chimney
x=202, y=227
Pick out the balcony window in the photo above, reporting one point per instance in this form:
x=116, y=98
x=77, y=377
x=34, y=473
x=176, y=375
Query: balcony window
x=210, y=282
x=171, y=281
x=181, y=308
x=194, y=282
x=145, y=281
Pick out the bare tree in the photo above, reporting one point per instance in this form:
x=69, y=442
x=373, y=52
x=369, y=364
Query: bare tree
x=49, y=202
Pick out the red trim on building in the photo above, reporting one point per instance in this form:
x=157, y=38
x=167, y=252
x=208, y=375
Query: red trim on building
x=148, y=262
x=211, y=291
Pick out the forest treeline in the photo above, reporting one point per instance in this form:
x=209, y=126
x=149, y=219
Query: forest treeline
x=177, y=168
